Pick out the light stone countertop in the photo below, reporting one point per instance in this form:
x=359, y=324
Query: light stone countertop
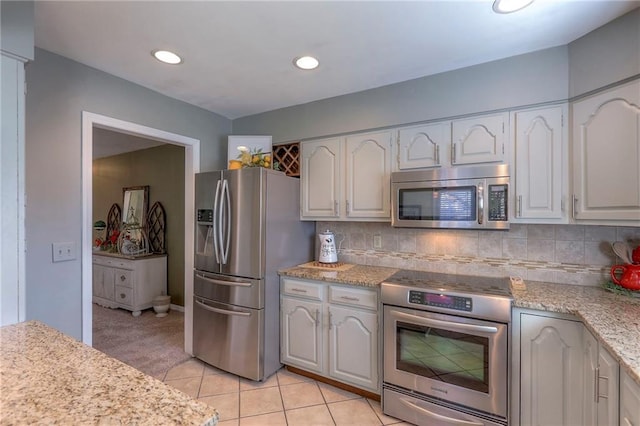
x=613, y=319
x=47, y=377
x=358, y=275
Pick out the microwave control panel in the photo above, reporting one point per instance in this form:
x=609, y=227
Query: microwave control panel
x=498, y=202
x=440, y=300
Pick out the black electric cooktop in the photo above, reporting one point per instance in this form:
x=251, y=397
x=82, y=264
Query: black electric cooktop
x=465, y=284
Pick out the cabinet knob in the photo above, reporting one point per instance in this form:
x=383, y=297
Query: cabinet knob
x=122, y=295
x=122, y=278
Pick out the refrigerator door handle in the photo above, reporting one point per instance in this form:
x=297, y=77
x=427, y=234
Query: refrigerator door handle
x=222, y=311
x=227, y=230
x=216, y=224
x=222, y=282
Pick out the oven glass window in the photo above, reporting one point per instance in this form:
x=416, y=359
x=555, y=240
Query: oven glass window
x=443, y=204
x=451, y=357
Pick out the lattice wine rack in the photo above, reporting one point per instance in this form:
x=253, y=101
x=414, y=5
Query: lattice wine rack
x=288, y=156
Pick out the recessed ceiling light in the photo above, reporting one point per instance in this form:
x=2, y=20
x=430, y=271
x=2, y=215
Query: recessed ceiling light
x=306, y=62
x=167, y=57
x=508, y=6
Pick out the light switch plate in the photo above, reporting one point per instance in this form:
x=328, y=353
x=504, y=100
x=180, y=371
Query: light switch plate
x=377, y=241
x=63, y=252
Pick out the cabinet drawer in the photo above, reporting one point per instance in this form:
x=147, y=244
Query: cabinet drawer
x=123, y=278
x=124, y=295
x=354, y=296
x=302, y=289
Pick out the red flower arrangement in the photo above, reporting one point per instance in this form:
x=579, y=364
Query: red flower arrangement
x=109, y=244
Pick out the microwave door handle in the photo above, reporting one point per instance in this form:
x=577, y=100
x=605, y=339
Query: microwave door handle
x=216, y=224
x=439, y=418
x=480, y=203
x=453, y=326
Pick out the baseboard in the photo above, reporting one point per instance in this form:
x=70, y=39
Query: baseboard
x=178, y=308
x=340, y=385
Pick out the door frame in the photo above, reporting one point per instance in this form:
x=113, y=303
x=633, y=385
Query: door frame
x=191, y=166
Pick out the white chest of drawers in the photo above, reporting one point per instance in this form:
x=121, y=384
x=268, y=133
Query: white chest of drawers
x=128, y=283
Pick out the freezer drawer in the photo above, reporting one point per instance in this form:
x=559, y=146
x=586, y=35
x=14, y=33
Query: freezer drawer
x=229, y=337
x=229, y=290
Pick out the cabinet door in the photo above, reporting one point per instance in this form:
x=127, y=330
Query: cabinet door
x=301, y=334
x=606, y=155
x=353, y=347
x=103, y=282
x=540, y=156
x=479, y=139
x=320, y=178
x=424, y=146
x=550, y=371
x=590, y=368
x=368, y=171
x=607, y=388
x=629, y=400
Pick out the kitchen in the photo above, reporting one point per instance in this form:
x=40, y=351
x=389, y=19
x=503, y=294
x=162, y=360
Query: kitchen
x=50, y=86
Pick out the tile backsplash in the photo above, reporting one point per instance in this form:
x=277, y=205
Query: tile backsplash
x=568, y=254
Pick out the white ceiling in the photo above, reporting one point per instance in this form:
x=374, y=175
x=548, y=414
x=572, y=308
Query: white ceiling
x=238, y=54
x=107, y=143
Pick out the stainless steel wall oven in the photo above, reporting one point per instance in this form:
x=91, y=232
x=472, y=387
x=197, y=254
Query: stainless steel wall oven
x=446, y=348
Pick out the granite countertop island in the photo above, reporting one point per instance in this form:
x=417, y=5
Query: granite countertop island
x=47, y=377
x=614, y=319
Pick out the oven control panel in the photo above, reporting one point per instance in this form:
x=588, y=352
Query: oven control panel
x=457, y=303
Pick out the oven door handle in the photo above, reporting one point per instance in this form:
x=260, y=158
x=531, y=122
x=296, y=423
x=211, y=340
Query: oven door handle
x=442, y=419
x=453, y=326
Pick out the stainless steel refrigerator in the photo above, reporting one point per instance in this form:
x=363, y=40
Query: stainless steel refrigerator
x=247, y=227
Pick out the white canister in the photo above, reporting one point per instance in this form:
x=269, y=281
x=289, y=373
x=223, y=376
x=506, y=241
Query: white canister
x=328, y=252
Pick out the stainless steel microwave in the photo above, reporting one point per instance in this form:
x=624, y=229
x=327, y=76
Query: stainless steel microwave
x=467, y=197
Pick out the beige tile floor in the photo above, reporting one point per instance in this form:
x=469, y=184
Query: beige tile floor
x=283, y=399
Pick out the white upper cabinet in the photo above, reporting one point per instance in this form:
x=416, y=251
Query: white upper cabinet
x=606, y=155
x=423, y=146
x=368, y=172
x=540, y=172
x=321, y=178
x=346, y=178
x=479, y=139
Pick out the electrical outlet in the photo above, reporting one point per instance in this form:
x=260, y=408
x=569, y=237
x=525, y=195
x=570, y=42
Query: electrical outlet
x=63, y=252
x=377, y=241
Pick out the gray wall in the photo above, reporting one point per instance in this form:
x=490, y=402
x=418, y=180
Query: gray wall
x=521, y=80
x=162, y=169
x=606, y=55
x=16, y=28
x=59, y=90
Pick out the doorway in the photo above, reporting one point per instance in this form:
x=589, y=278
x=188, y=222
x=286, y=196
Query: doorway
x=90, y=121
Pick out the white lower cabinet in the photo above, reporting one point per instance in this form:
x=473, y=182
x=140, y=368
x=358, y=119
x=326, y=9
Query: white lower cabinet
x=548, y=372
x=301, y=333
x=126, y=283
x=629, y=401
x=331, y=330
x=601, y=381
